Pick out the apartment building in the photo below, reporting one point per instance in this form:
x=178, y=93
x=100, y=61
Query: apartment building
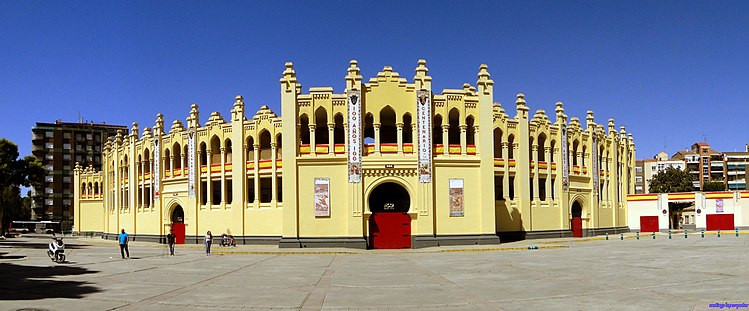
x=646, y=169
x=59, y=146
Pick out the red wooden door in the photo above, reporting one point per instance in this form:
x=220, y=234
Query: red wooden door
x=390, y=230
x=577, y=227
x=649, y=224
x=179, y=232
x=720, y=221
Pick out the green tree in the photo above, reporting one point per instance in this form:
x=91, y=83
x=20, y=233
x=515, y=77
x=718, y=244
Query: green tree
x=669, y=181
x=714, y=186
x=15, y=173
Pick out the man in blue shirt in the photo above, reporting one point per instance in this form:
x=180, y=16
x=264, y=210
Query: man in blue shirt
x=123, y=244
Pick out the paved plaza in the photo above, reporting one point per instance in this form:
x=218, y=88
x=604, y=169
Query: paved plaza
x=563, y=274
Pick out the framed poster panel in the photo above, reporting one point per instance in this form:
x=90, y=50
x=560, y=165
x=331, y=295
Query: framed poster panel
x=456, y=197
x=322, y=197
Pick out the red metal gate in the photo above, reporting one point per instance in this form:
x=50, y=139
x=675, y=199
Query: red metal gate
x=179, y=232
x=649, y=224
x=577, y=227
x=390, y=230
x=720, y=221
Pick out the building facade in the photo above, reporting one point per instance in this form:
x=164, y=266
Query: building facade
x=706, y=165
x=646, y=169
x=59, y=146
x=385, y=164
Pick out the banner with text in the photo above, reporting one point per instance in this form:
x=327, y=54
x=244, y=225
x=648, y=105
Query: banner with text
x=354, y=136
x=424, y=122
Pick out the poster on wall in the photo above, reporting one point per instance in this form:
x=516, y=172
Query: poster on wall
x=456, y=197
x=156, y=168
x=565, y=161
x=354, y=137
x=718, y=205
x=424, y=122
x=322, y=197
x=191, y=163
x=596, y=173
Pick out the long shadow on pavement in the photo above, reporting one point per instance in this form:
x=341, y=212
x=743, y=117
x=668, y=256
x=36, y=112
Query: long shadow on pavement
x=35, y=282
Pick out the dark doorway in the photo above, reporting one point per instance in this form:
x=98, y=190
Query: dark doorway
x=178, y=224
x=389, y=224
x=577, y=220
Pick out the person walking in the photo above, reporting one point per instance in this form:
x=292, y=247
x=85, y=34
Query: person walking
x=123, y=244
x=171, y=240
x=208, y=240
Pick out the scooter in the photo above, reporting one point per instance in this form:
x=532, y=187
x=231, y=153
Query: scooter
x=56, y=250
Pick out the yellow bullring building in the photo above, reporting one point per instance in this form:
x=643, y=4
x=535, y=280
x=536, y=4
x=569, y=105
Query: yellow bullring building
x=385, y=164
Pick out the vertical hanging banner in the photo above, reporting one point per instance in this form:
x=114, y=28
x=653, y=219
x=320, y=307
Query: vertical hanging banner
x=191, y=163
x=156, y=167
x=565, y=161
x=322, y=197
x=424, y=122
x=354, y=137
x=456, y=197
x=596, y=172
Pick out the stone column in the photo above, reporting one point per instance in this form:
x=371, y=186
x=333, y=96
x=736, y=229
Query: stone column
x=445, y=139
x=506, y=169
x=312, y=148
x=476, y=136
x=274, y=188
x=399, y=126
x=534, y=159
x=377, y=138
x=223, y=176
x=549, y=172
x=415, y=138
x=255, y=165
x=209, y=182
x=463, y=142
x=182, y=165
x=331, y=138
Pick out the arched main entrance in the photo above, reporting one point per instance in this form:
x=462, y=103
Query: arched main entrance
x=389, y=224
x=577, y=220
x=178, y=224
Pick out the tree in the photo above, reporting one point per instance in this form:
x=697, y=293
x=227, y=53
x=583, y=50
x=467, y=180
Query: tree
x=714, y=186
x=669, y=181
x=14, y=173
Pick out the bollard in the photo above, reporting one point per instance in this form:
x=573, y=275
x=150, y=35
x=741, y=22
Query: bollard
x=621, y=236
x=685, y=233
x=638, y=235
x=703, y=234
x=669, y=234
x=718, y=232
x=653, y=235
x=737, y=232
x=532, y=247
x=607, y=236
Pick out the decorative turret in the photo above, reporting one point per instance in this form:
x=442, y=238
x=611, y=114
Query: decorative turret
x=158, y=129
x=118, y=138
x=353, y=76
x=288, y=81
x=215, y=119
x=134, y=130
x=193, y=120
x=78, y=169
x=590, y=121
x=237, y=113
x=177, y=126
x=485, y=84
x=147, y=133
x=612, y=127
x=422, y=80
x=559, y=110
x=522, y=109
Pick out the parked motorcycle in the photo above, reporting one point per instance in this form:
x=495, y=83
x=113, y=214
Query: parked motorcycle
x=56, y=250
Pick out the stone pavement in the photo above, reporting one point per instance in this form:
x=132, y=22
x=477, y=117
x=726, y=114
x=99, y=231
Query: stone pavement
x=564, y=274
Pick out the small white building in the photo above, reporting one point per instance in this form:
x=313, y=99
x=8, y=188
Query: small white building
x=724, y=210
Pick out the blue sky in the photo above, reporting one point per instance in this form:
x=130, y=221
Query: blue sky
x=672, y=72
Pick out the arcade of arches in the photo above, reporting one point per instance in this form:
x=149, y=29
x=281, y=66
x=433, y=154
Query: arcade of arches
x=373, y=166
